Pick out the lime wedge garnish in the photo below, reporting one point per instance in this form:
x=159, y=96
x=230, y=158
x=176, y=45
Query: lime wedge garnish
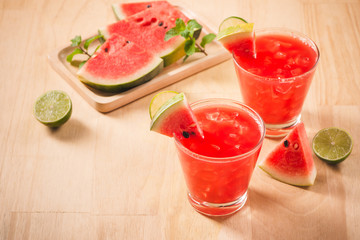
x=231, y=21
x=333, y=145
x=158, y=100
x=233, y=26
x=53, y=108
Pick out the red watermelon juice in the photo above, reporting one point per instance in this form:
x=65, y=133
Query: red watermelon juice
x=275, y=81
x=218, y=167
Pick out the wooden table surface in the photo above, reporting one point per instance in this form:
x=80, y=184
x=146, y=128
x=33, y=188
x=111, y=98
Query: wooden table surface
x=106, y=176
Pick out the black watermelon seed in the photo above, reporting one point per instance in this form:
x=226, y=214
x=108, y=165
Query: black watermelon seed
x=160, y=23
x=106, y=49
x=193, y=133
x=148, y=6
x=128, y=42
x=186, y=134
x=165, y=27
x=286, y=143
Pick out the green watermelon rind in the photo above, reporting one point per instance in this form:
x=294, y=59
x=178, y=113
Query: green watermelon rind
x=170, y=106
x=174, y=55
x=117, y=12
x=301, y=181
x=122, y=86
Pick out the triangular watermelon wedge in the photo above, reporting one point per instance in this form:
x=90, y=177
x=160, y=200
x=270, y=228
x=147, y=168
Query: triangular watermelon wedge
x=291, y=161
x=119, y=65
x=148, y=28
x=176, y=119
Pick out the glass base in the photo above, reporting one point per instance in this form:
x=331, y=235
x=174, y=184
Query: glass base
x=280, y=130
x=217, y=209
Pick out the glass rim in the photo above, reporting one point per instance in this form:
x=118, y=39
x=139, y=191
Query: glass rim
x=284, y=30
x=226, y=101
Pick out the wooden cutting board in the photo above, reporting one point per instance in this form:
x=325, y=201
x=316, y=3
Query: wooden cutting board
x=106, y=102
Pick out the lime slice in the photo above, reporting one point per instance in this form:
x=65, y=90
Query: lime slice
x=53, y=108
x=231, y=21
x=159, y=100
x=234, y=27
x=332, y=145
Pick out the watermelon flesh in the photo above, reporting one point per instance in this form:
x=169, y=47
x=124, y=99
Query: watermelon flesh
x=291, y=161
x=148, y=28
x=239, y=39
x=123, y=10
x=242, y=42
x=119, y=65
x=176, y=119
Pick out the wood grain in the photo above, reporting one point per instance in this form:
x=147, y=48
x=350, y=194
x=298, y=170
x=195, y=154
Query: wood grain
x=106, y=176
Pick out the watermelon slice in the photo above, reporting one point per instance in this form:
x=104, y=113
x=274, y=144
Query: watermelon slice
x=123, y=10
x=119, y=65
x=239, y=38
x=148, y=28
x=175, y=118
x=291, y=161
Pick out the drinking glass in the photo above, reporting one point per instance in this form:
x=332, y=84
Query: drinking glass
x=278, y=100
x=218, y=186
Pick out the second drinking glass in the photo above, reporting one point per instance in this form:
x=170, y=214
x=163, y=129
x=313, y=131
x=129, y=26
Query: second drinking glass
x=275, y=81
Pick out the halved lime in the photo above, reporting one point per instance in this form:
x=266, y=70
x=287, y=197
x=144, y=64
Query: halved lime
x=53, y=108
x=333, y=145
x=231, y=21
x=158, y=100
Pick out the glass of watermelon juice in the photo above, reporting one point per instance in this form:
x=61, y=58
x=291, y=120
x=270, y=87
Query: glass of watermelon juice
x=275, y=80
x=218, y=167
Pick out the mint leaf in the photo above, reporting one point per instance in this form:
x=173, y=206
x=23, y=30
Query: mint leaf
x=193, y=25
x=175, y=31
x=189, y=47
x=90, y=40
x=76, y=51
x=187, y=31
x=171, y=33
x=180, y=24
x=96, y=48
x=76, y=41
x=186, y=57
x=82, y=64
x=207, y=39
x=185, y=34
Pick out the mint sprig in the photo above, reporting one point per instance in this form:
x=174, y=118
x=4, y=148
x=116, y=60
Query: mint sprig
x=76, y=42
x=190, y=31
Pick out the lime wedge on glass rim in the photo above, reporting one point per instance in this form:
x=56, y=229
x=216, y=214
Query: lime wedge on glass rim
x=53, y=108
x=236, y=34
x=231, y=21
x=332, y=145
x=158, y=100
x=233, y=26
